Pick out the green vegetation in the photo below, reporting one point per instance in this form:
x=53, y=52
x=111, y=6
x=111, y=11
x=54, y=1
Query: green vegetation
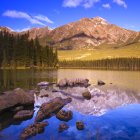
x=19, y=51
x=114, y=63
x=102, y=51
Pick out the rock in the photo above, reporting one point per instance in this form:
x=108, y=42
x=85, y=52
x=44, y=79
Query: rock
x=62, y=127
x=45, y=95
x=33, y=129
x=64, y=115
x=37, y=106
x=18, y=108
x=32, y=91
x=45, y=84
x=50, y=107
x=17, y=97
x=24, y=115
x=54, y=90
x=63, y=82
x=87, y=95
x=0, y=136
x=80, y=125
x=73, y=82
x=100, y=82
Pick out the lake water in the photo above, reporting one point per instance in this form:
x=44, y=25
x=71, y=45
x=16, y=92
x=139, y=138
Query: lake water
x=114, y=116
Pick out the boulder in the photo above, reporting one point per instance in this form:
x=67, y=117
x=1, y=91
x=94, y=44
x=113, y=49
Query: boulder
x=63, y=82
x=50, y=107
x=62, y=127
x=64, y=115
x=80, y=125
x=73, y=82
x=16, y=109
x=33, y=129
x=24, y=115
x=100, y=82
x=87, y=95
x=17, y=97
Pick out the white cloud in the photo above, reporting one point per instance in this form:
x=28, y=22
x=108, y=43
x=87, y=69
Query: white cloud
x=106, y=6
x=75, y=3
x=17, y=14
x=121, y=3
x=56, y=11
x=24, y=29
x=43, y=18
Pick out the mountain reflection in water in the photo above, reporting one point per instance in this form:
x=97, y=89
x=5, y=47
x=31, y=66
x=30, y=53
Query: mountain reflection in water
x=113, y=108
x=99, y=103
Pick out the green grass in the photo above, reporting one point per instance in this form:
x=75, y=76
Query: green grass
x=102, y=51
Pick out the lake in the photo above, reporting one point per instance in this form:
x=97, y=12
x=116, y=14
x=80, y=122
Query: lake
x=114, y=116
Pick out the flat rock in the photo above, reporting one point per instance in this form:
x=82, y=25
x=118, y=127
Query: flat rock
x=87, y=95
x=33, y=129
x=80, y=125
x=24, y=115
x=50, y=107
x=62, y=127
x=64, y=115
x=16, y=97
x=18, y=108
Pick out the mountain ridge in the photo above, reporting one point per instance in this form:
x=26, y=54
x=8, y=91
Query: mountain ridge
x=82, y=34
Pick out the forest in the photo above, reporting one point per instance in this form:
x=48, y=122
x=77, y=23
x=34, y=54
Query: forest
x=19, y=51
x=113, y=63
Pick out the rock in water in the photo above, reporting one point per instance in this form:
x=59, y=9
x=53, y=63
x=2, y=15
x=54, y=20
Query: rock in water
x=80, y=125
x=62, y=127
x=24, y=115
x=100, y=82
x=17, y=97
x=64, y=115
x=50, y=107
x=87, y=95
x=33, y=129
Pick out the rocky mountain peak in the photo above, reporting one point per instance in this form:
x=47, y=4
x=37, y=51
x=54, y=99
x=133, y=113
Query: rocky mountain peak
x=100, y=20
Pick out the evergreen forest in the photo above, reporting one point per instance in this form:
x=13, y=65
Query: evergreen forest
x=114, y=63
x=19, y=51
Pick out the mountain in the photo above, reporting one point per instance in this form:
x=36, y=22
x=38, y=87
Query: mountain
x=88, y=33
x=85, y=33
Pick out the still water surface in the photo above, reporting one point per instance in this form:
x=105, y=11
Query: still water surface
x=116, y=115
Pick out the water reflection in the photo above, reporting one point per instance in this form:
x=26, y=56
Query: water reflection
x=113, y=108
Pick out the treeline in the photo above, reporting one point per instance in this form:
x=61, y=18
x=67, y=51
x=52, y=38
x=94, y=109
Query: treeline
x=114, y=63
x=19, y=51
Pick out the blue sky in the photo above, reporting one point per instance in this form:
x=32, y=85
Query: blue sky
x=21, y=15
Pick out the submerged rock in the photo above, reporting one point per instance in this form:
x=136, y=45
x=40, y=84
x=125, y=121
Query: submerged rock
x=64, y=115
x=16, y=97
x=33, y=129
x=100, y=82
x=87, y=95
x=80, y=125
x=18, y=108
x=24, y=115
x=62, y=127
x=50, y=107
